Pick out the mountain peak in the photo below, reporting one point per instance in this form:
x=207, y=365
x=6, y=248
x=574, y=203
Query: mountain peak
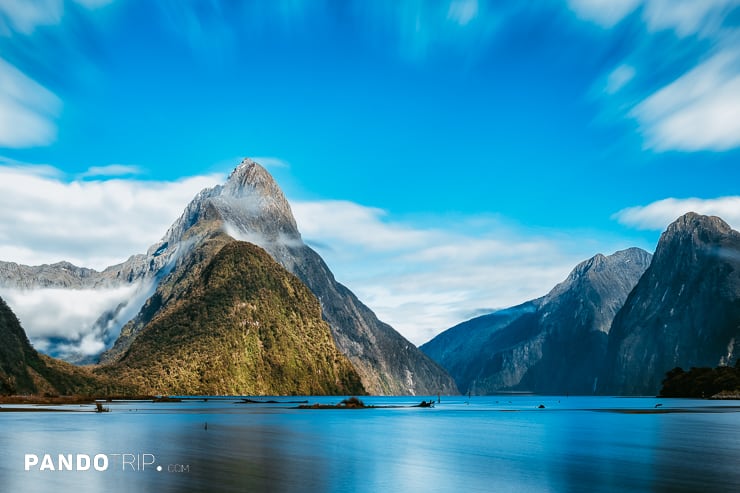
x=691, y=222
x=692, y=233
x=250, y=177
x=624, y=265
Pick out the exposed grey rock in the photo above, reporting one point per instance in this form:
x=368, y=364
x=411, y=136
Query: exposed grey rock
x=554, y=344
x=69, y=276
x=685, y=311
x=61, y=274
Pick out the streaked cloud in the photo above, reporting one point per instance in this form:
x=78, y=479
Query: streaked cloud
x=659, y=214
x=94, y=4
x=698, y=111
x=695, y=110
x=685, y=17
x=605, y=13
x=27, y=110
x=423, y=276
x=463, y=11
x=620, y=77
x=688, y=17
x=418, y=28
x=111, y=170
x=23, y=16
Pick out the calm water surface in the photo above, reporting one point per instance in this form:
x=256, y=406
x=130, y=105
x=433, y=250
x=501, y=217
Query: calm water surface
x=486, y=444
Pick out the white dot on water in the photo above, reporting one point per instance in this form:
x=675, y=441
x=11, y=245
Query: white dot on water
x=159, y=468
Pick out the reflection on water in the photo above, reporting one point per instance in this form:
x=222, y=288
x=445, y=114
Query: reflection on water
x=499, y=443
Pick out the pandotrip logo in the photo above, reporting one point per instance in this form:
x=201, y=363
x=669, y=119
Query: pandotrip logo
x=125, y=462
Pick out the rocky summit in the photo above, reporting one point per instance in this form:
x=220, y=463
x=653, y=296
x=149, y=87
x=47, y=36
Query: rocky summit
x=684, y=312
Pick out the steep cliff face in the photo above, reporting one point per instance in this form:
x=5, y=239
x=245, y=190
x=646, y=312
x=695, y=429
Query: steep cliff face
x=251, y=207
x=685, y=311
x=576, y=318
x=233, y=321
x=554, y=344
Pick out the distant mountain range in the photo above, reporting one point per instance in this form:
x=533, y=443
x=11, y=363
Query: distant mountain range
x=554, y=344
x=158, y=287
x=616, y=325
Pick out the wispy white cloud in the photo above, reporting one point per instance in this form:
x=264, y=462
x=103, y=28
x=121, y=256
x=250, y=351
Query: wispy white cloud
x=424, y=277
x=353, y=223
x=23, y=16
x=111, y=170
x=618, y=78
x=687, y=17
x=45, y=219
x=698, y=111
x=605, y=13
x=419, y=28
x=659, y=214
x=27, y=110
x=463, y=11
x=94, y=4
x=684, y=17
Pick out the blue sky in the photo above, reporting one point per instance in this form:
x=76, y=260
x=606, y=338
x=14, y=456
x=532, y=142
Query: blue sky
x=445, y=157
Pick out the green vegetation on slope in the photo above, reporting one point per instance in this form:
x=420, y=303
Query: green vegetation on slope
x=236, y=322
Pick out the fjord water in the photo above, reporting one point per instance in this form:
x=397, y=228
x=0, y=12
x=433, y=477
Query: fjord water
x=497, y=443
